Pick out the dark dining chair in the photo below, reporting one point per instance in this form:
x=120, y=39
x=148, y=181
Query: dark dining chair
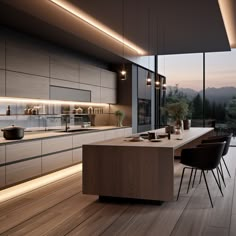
x=227, y=140
x=205, y=158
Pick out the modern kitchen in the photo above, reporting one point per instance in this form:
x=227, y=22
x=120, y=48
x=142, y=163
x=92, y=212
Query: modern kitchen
x=85, y=145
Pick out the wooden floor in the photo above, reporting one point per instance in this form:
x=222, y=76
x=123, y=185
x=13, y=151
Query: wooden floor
x=61, y=209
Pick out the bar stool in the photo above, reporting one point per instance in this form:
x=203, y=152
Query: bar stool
x=205, y=158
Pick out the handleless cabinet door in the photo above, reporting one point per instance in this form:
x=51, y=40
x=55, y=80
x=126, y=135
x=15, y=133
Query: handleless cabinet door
x=2, y=154
x=77, y=155
x=108, y=95
x=26, y=86
x=81, y=139
x=2, y=176
x=116, y=133
x=56, y=144
x=65, y=69
x=108, y=79
x=2, y=83
x=27, y=60
x=95, y=92
x=56, y=161
x=22, y=171
x=90, y=74
x=2, y=53
x=19, y=151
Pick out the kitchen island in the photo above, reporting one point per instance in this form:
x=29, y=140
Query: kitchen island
x=140, y=170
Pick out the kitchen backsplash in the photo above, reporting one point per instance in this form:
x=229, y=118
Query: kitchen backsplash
x=49, y=116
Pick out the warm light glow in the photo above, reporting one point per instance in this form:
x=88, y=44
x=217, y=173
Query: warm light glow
x=96, y=24
x=228, y=13
x=123, y=74
x=148, y=81
x=55, y=102
x=157, y=84
x=31, y=185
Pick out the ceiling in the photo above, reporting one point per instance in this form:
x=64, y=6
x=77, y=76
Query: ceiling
x=157, y=26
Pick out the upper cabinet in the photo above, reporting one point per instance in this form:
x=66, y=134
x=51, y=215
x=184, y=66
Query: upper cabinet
x=2, y=82
x=2, y=54
x=26, y=86
x=90, y=74
x=64, y=69
x=108, y=79
x=27, y=61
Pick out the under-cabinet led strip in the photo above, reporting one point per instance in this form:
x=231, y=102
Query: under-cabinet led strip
x=96, y=24
x=56, y=102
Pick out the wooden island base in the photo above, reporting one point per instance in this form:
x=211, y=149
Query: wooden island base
x=139, y=170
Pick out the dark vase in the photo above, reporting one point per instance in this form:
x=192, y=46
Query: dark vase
x=187, y=124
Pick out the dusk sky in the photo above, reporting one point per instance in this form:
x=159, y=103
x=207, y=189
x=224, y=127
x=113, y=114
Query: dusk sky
x=186, y=69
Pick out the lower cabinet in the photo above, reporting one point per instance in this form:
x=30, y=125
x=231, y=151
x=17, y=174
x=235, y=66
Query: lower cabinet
x=23, y=170
x=2, y=176
x=77, y=155
x=56, y=161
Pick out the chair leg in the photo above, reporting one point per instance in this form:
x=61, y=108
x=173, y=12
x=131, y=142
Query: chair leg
x=222, y=174
x=181, y=182
x=204, y=176
x=200, y=178
x=190, y=180
x=226, y=167
x=218, y=175
x=194, y=177
x=217, y=183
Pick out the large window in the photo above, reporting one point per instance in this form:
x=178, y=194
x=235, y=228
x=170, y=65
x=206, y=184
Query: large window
x=220, y=103
x=184, y=74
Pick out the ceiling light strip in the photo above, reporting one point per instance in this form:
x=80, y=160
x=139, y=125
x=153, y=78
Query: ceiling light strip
x=88, y=19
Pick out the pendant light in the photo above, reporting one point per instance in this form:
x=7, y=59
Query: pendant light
x=148, y=79
x=157, y=82
x=123, y=72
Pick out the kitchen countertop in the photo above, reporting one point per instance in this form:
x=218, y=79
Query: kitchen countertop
x=52, y=134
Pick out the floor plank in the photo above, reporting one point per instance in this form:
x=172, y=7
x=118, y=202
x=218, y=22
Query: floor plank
x=61, y=209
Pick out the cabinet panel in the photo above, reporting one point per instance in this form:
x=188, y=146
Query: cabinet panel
x=56, y=144
x=27, y=61
x=108, y=95
x=69, y=94
x=128, y=131
x=2, y=83
x=90, y=74
x=23, y=150
x=2, y=154
x=2, y=54
x=26, y=86
x=77, y=155
x=95, y=92
x=142, y=75
x=63, y=83
x=110, y=134
x=62, y=69
x=2, y=176
x=22, y=171
x=80, y=139
x=108, y=79
x=56, y=161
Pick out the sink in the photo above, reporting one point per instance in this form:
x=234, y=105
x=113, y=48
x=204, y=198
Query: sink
x=76, y=130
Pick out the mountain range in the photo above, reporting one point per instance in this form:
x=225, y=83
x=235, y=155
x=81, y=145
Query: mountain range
x=218, y=95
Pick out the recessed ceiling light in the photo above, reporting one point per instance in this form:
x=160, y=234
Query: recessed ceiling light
x=96, y=24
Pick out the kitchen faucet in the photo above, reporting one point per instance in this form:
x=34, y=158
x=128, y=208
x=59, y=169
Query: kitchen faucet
x=67, y=120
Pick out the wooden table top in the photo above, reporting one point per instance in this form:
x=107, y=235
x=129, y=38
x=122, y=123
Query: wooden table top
x=174, y=143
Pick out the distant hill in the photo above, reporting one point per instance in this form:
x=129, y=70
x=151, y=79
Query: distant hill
x=219, y=95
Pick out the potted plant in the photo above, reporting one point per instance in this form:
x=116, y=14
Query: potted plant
x=120, y=115
x=177, y=111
